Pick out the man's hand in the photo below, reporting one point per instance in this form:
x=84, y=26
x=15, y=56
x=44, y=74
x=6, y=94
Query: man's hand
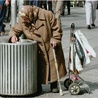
x=14, y=39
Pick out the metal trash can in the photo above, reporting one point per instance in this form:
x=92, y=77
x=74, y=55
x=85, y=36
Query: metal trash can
x=18, y=68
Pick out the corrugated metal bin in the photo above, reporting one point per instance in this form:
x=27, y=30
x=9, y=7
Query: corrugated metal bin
x=18, y=68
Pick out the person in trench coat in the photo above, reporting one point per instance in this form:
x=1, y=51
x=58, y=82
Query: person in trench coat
x=41, y=25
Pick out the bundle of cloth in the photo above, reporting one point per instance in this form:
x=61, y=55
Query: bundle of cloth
x=81, y=52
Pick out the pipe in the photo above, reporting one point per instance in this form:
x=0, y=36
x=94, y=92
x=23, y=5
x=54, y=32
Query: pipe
x=13, y=12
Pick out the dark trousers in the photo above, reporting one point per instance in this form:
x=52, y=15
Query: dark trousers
x=50, y=5
x=68, y=6
x=39, y=3
x=2, y=11
x=7, y=14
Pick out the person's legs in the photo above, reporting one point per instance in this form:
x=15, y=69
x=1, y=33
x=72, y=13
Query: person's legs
x=54, y=2
x=54, y=87
x=63, y=8
x=44, y=4
x=94, y=6
x=88, y=9
x=68, y=7
x=7, y=15
x=30, y=2
x=36, y=3
x=58, y=8
x=50, y=5
x=2, y=16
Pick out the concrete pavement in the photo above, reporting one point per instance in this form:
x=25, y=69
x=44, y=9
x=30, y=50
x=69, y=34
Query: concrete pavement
x=90, y=72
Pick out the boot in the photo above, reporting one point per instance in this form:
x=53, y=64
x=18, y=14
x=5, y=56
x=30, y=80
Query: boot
x=3, y=30
x=93, y=25
x=89, y=27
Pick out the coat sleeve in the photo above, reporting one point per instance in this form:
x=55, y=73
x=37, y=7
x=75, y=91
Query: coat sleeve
x=55, y=28
x=16, y=30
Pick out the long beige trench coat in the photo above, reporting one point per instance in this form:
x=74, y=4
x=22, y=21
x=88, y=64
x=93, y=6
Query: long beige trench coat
x=47, y=30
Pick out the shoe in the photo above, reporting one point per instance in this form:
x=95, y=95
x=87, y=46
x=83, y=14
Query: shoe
x=93, y=25
x=54, y=88
x=3, y=29
x=68, y=13
x=62, y=14
x=89, y=27
x=2, y=33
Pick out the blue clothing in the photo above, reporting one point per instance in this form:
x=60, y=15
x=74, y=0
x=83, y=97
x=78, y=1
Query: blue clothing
x=33, y=2
x=2, y=14
x=38, y=3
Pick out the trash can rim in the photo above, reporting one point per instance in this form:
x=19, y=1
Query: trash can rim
x=22, y=42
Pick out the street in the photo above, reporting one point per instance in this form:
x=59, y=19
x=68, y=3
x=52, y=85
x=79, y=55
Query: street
x=90, y=71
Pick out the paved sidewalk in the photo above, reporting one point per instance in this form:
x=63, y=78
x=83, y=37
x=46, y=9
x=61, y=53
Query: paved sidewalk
x=90, y=72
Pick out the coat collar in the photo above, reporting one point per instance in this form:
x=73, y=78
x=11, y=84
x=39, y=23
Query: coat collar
x=40, y=14
x=40, y=20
